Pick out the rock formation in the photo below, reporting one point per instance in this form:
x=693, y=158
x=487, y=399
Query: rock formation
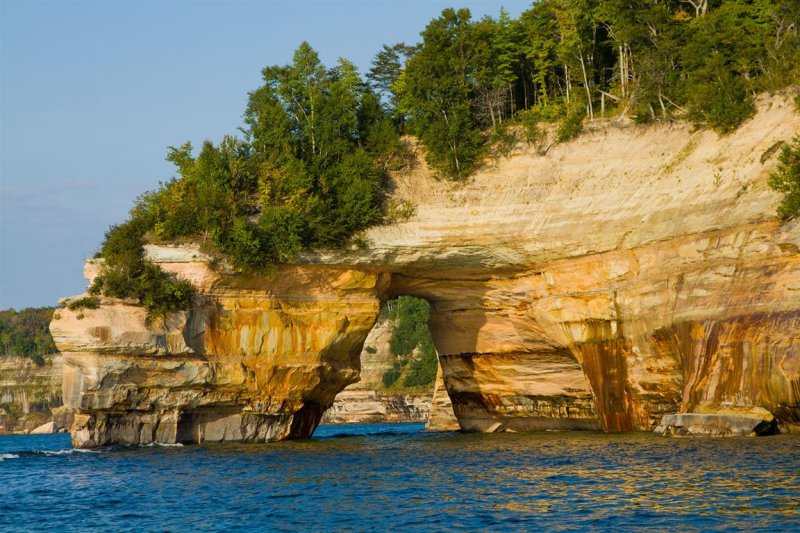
x=29, y=393
x=719, y=424
x=255, y=359
x=632, y=273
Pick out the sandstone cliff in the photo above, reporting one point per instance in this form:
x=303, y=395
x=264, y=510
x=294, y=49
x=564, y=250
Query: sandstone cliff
x=255, y=359
x=28, y=393
x=632, y=273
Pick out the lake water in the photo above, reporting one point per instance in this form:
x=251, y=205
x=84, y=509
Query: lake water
x=395, y=476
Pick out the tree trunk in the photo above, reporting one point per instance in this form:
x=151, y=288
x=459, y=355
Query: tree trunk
x=586, y=85
x=700, y=6
x=525, y=93
x=454, y=148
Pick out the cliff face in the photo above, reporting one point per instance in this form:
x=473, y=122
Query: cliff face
x=255, y=359
x=632, y=273
x=28, y=393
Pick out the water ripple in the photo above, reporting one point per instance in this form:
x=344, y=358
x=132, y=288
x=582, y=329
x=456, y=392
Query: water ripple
x=398, y=477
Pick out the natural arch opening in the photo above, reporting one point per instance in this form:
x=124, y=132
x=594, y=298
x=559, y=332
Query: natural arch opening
x=502, y=367
x=398, y=369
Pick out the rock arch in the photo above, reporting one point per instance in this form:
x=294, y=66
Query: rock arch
x=580, y=288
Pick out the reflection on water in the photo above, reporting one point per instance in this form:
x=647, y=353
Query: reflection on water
x=398, y=477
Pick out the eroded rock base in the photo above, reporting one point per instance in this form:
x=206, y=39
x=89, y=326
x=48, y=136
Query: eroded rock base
x=716, y=425
x=141, y=429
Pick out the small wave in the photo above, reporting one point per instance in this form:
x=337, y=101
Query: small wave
x=363, y=434
x=65, y=452
x=283, y=496
x=163, y=445
x=46, y=453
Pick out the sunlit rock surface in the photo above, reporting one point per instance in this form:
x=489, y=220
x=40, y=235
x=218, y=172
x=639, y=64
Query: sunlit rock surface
x=29, y=393
x=718, y=425
x=254, y=360
x=441, y=416
x=630, y=274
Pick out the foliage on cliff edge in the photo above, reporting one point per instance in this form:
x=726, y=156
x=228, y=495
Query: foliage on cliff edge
x=562, y=60
x=310, y=170
x=786, y=180
x=309, y=173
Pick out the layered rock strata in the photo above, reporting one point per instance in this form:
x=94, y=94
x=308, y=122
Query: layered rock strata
x=717, y=425
x=630, y=274
x=28, y=392
x=255, y=359
x=363, y=406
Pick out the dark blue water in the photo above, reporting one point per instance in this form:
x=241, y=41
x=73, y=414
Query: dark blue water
x=398, y=477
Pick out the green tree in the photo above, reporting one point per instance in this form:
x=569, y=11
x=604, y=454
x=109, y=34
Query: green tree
x=727, y=49
x=410, y=325
x=540, y=48
x=496, y=62
x=411, y=343
x=786, y=180
x=782, y=65
x=577, y=26
x=26, y=333
x=386, y=69
x=436, y=95
x=659, y=78
x=126, y=273
x=324, y=180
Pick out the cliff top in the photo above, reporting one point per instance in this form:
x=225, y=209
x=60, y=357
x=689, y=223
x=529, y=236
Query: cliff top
x=614, y=187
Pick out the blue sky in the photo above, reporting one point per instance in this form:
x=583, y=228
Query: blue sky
x=92, y=93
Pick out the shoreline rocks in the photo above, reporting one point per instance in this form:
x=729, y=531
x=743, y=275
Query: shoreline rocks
x=370, y=407
x=717, y=425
